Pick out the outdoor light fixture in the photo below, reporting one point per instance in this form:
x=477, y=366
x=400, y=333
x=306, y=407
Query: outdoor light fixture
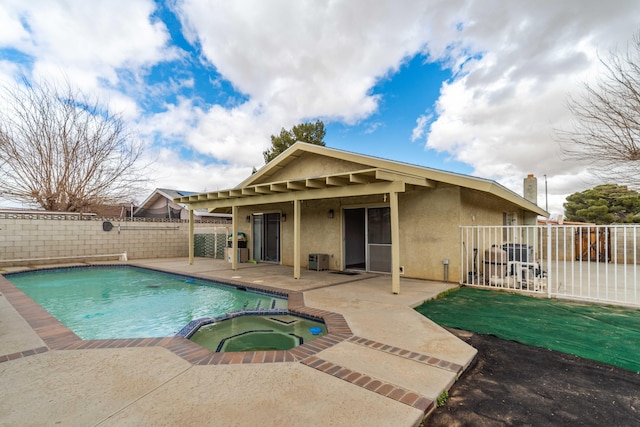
x=330, y=213
x=284, y=217
x=248, y=218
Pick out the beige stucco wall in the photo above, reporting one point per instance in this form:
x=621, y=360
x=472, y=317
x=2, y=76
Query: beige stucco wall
x=429, y=227
x=311, y=165
x=429, y=219
x=24, y=238
x=429, y=233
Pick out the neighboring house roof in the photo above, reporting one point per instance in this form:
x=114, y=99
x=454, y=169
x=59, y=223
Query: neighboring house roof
x=271, y=179
x=170, y=195
x=161, y=192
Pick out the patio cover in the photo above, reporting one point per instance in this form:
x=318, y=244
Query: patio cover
x=359, y=183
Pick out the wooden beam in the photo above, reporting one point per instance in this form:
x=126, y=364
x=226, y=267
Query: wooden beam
x=296, y=239
x=336, y=181
x=408, y=179
x=316, y=183
x=358, y=178
x=314, y=194
x=235, y=220
x=296, y=185
x=191, y=237
x=395, y=242
x=279, y=188
x=263, y=189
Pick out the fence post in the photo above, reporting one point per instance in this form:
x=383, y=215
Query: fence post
x=549, y=268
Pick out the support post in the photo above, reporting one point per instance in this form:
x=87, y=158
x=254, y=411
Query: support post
x=234, y=238
x=549, y=269
x=191, y=237
x=395, y=243
x=296, y=238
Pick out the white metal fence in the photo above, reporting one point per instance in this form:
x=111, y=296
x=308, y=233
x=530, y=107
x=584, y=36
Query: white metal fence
x=591, y=263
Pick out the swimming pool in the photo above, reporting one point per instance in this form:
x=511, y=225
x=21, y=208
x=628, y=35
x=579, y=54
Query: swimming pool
x=130, y=302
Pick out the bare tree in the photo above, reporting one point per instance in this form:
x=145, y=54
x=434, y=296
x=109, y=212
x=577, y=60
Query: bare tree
x=63, y=151
x=606, y=126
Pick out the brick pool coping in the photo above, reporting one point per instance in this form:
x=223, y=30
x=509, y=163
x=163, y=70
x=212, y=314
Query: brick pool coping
x=57, y=336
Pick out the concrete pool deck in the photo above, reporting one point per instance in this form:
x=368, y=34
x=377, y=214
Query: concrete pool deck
x=388, y=367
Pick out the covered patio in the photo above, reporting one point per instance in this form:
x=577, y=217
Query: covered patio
x=369, y=182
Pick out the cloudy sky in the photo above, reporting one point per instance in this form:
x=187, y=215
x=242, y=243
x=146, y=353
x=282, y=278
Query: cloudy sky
x=476, y=87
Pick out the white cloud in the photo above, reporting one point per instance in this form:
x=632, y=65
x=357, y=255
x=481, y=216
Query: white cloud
x=514, y=64
x=499, y=113
x=85, y=42
x=308, y=59
x=421, y=126
x=171, y=171
x=295, y=61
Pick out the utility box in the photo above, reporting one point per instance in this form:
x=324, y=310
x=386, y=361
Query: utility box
x=318, y=262
x=242, y=254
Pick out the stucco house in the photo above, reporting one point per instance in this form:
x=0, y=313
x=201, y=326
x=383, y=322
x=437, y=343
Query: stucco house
x=364, y=213
x=160, y=204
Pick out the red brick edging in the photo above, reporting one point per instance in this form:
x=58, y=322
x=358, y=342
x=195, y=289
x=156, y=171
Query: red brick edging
x=57, y=336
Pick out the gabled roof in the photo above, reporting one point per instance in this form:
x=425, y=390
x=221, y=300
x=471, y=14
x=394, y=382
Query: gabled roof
x=170, y=195
x=162, y=192
x=380, y=172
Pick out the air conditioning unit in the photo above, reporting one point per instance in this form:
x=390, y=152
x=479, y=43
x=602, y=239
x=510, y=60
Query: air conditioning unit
x=318, y=262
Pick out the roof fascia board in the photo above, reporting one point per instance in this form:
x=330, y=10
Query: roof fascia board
x=322, y=193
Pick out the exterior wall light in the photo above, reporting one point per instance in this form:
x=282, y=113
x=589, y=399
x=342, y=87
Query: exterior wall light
x=248, y=218
x=284, y=217
x=330, y=214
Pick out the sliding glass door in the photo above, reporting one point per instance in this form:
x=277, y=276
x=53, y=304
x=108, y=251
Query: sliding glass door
x=367, y=239
x=266, y=237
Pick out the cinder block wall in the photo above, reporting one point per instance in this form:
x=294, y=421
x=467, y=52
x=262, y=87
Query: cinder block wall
x=23, y=237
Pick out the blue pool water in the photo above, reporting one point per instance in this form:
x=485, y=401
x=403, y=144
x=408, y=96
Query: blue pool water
x=130, y=302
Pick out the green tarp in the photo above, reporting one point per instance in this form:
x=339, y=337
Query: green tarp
x=606, y=334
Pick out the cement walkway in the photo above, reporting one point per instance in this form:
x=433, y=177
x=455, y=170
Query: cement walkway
x=381, y=374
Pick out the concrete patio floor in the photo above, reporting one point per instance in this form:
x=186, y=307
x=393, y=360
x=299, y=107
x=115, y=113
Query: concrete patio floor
x=389, y=371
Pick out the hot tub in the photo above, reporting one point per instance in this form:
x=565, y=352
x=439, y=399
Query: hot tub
x=257, y=332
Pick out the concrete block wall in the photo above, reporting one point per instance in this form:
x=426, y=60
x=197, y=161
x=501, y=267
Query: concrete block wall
x=22, y=237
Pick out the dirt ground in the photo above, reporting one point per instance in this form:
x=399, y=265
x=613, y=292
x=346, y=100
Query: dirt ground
x=513, y=384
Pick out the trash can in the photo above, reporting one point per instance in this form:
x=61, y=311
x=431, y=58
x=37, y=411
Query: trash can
x=242, y=240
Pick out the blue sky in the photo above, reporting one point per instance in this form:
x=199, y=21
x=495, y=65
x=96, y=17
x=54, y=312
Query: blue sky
x=405, y=95
x=470, y=87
